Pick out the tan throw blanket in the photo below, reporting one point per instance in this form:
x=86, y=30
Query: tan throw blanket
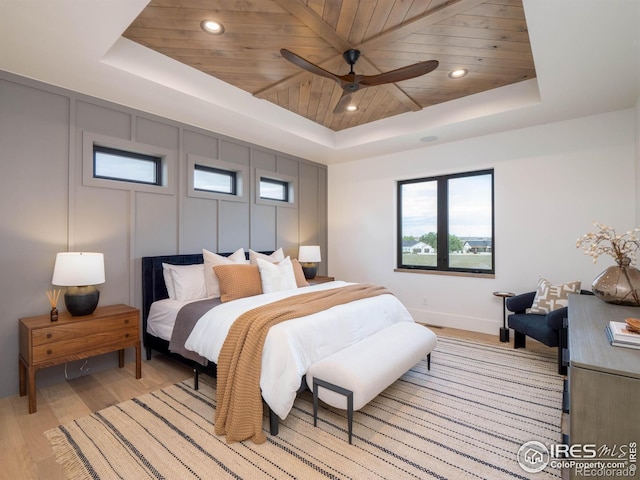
x=239, y=401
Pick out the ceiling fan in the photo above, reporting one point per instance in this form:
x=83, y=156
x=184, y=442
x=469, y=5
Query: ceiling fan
x=352, y=82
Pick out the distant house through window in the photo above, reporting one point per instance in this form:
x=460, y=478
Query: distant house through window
x=446, y=223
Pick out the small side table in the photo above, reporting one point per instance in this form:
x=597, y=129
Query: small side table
x=504, y=331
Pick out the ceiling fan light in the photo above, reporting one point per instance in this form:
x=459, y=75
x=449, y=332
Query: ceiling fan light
x=212, y=27
x=352, y=108
x=459, y=73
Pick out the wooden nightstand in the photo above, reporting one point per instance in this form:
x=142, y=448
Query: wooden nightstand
x=44, y=343
x=320, y=279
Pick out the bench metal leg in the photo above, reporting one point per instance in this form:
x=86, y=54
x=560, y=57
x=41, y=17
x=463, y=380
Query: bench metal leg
x=334, y=388
x=196, y=379
x=428, y=361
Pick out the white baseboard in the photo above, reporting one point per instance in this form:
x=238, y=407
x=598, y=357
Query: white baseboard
x=441, y=319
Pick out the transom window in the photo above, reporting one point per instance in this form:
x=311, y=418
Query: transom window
x=210, y=179
x=113, y=164
x=272, y=189
x=446, y=223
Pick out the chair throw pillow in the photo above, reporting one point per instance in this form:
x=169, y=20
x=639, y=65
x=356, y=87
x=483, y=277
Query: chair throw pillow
x=552, y=297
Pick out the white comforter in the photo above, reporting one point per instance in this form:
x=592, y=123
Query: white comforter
x=291, y=347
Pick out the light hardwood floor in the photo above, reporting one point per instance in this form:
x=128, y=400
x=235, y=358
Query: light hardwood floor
x=26, y=454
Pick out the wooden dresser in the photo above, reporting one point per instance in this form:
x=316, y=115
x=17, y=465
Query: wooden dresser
x=604, y=380
x=44, y=343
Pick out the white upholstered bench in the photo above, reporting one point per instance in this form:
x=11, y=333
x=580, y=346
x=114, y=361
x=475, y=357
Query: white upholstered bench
x=351, y=378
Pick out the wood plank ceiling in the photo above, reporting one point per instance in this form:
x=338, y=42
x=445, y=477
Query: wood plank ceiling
x=489, y=38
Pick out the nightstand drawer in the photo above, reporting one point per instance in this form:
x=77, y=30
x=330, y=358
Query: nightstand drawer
x=87, y=345
x=83, y=329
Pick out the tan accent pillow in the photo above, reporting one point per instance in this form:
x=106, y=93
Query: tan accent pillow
x=211, y=259
x=299, y=274
x=552, y=297
x=238, y=281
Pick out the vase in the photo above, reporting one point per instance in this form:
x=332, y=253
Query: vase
x=618, y=284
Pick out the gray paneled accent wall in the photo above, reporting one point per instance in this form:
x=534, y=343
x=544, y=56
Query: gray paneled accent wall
x=49, y=205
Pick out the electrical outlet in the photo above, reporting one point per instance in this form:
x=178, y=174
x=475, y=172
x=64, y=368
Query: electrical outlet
x=424, y=301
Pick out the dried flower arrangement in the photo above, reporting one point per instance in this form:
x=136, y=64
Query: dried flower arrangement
x=623, y=248
x=53, y=296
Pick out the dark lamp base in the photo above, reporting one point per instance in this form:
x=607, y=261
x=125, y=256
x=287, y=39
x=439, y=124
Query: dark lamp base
x=81, y=300
x=309, y=270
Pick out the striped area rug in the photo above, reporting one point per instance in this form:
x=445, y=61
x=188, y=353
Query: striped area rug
x=465, y=418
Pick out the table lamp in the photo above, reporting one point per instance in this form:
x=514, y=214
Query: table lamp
x=79, y=271
x=308, y=256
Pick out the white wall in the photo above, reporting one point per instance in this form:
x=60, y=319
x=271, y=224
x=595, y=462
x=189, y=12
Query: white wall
x=551, y=183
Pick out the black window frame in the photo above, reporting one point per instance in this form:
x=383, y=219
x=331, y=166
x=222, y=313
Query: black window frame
x=156, y=160
x=233, y=176
x=274, y=181
x=442, y=263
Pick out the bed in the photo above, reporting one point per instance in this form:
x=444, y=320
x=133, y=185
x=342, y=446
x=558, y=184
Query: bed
x=314, y=343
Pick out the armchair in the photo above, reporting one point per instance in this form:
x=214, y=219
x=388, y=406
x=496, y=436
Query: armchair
x=549, y=329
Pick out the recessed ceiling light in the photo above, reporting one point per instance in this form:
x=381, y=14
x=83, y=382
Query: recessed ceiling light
x=212, y=27
x=352, y=108
x=459, y=73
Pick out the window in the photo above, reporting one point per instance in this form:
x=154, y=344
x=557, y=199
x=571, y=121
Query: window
x=275, y=189
x=272, y=189
x=445, y=223
x=210, y=179
x=113, y=164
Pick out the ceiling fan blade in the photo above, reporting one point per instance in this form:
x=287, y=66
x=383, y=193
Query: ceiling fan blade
x=308, y=66
x=344, y=101
x=400, y=74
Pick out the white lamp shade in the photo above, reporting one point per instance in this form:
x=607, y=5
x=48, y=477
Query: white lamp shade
x=75, y=269
x=309, y=254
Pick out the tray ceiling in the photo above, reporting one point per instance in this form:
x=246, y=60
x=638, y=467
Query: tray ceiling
x=488, y=38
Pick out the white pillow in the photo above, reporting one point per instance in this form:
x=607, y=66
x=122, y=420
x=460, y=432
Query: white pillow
x=168, y=281
x=188, y=281
x=276, y=277
x=210, y=260
x=275, y=257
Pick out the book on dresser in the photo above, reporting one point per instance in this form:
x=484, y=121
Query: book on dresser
x=621, y=336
